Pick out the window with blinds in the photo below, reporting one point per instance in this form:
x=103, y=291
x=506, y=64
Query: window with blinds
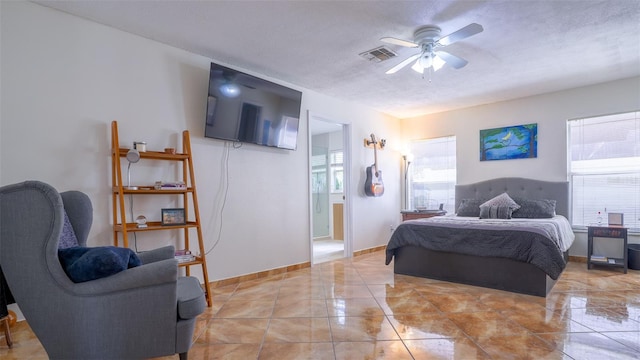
x=431, y=176
x=605, y=168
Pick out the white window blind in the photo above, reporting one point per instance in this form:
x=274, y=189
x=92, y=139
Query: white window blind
x=432, y=174
x=605, y=168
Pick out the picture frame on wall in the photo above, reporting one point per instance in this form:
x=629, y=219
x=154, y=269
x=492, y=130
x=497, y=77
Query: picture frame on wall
x=174, y=216
x=510, y=142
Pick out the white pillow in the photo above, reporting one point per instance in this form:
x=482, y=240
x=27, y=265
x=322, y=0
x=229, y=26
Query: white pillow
x=502, y=200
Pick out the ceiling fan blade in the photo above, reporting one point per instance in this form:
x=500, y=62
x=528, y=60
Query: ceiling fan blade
x=404, y=63
x=395, y=41
x=454, y=61
x=463, y=33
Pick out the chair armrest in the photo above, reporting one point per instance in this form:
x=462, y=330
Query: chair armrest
x=151, y=256
x=155, y=274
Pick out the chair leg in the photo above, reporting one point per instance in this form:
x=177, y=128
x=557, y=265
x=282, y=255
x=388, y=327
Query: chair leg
x=7, y=331
x=184, y=355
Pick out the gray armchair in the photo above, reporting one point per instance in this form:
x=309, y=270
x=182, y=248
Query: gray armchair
x=146, y=311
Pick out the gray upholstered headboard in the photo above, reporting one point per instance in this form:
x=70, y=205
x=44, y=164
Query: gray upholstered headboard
x=518, y=187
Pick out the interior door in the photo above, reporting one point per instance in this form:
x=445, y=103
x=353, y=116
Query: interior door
x=335, y=138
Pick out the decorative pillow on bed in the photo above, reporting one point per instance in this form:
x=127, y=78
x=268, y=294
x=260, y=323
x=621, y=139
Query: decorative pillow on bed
x=495, y=212
x=470, y=207
x=502, y=200
x=535, y=209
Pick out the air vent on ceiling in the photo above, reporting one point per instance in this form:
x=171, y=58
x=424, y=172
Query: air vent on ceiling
x=379, y=54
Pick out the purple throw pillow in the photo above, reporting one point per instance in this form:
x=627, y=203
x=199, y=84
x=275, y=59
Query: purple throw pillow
x=68, y=236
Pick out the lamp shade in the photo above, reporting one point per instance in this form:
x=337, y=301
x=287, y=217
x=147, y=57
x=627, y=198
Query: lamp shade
x=133, y=156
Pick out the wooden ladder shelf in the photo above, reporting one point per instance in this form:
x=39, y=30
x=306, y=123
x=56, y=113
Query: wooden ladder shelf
x=122, y=226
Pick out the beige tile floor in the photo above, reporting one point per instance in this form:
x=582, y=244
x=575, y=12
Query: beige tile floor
x=359, y=309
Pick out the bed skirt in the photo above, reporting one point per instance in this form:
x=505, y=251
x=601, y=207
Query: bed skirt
x=491, y=272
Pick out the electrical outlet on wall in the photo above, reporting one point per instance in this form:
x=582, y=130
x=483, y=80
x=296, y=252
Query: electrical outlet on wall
x=391, y=228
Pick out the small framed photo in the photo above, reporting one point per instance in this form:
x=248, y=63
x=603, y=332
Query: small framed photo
x=173, y=216
x=616, y=219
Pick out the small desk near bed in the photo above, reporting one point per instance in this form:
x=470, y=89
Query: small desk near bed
x=611, y=232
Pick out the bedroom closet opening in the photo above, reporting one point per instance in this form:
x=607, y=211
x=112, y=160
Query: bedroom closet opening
x=328, y=175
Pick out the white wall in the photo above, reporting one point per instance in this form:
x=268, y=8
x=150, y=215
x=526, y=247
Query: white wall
x=64, y=79
x=550, y=111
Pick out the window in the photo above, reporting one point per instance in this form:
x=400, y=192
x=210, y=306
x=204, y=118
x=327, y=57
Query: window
x=605, y=168
x=431, y=176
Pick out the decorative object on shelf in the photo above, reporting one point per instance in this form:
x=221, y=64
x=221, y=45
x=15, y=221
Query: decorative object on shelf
x=133, y=156
x=141, y=222
x=173, y=216
x=616, y=219
x=510, y=142
x=184, y=255
x=170, y=150
x=176, y=185
x=373, y=185
x=141, y=146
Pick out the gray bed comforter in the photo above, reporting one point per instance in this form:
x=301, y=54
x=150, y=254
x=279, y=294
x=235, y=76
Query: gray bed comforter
x=536, y=242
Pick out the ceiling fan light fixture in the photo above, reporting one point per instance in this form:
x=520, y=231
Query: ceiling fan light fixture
x=417, y=67
x=431, y=56
x=427, y=61
x=437, y=63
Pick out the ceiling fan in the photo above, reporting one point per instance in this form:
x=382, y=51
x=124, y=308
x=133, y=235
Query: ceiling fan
x=428, y=39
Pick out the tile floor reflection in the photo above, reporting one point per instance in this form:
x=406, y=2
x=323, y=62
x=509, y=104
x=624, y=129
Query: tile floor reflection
x=359, y=309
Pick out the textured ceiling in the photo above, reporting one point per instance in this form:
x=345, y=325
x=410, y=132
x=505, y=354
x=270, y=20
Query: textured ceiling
x=527, y=47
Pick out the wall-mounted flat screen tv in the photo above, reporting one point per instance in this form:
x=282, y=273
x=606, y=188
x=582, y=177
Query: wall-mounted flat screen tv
x=245, y=108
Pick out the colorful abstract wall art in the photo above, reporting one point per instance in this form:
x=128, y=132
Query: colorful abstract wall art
x=511, y=142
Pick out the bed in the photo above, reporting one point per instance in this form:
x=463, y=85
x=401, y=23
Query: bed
x=523, y=256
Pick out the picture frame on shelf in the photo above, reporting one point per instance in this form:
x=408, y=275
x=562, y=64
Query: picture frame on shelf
x=616, y=219
x=173, y=216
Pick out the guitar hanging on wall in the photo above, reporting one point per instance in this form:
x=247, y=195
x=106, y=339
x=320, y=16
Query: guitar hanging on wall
x=373, y=185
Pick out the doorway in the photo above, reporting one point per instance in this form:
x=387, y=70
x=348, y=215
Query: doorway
x=329, y=179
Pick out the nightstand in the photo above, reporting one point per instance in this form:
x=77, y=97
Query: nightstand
x=618, y=233
x=421, y=214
